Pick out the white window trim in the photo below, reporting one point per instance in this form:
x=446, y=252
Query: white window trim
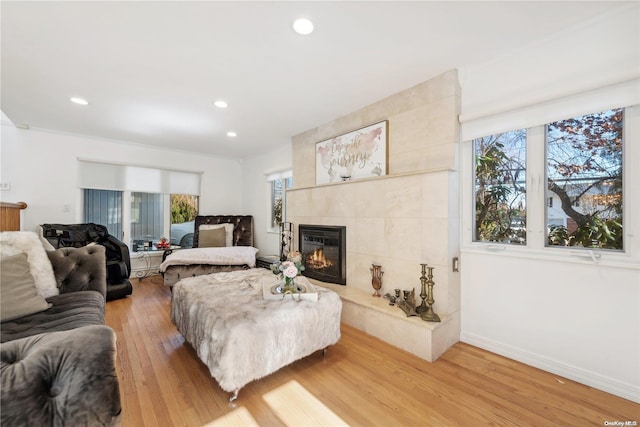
x=273, y=176
x=536, y=202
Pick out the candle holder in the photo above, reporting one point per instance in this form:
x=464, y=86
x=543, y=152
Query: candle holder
x=408, y=305
x=376, y=278
x=423, y=292
x=286, y=240
x=429, y=315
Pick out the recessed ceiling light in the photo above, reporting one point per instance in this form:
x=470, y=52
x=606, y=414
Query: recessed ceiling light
x=220, y=104
x=303, y=26
x=79, y=101
x=232, y=134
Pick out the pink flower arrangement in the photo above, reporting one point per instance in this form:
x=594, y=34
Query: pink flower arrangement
x=288, y=270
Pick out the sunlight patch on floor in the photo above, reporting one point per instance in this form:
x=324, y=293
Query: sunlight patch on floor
x=295, y=406
x=237, y=417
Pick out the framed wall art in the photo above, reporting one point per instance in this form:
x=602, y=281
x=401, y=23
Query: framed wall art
x=354, y=155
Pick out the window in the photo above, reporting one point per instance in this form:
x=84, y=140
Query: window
x=500, y=184
x=575, y=197
x=184, y=209
x=584, y=171
x=278, y=182
x=158, y=202
x=104, y=207
x=147, y=219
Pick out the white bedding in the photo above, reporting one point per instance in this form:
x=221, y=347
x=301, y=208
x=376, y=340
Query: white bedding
x=230, y=255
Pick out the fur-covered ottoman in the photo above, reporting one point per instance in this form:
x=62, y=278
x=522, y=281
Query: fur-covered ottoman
x=242, y=337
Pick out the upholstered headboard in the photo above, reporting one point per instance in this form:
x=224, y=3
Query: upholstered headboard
x=242, y=227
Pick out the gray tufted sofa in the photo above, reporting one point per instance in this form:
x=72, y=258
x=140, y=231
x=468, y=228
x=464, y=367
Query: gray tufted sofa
x=58, y=366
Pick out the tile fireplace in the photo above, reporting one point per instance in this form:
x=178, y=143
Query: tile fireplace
x=324, y=253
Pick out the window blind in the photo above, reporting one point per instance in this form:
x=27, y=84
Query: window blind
x=122, y=177
x=617, y=95
x=279, y=175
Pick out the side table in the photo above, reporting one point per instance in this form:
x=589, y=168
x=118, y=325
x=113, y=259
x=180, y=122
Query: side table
x=266, y=261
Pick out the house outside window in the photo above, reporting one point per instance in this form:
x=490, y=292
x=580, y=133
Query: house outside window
x=584, y=172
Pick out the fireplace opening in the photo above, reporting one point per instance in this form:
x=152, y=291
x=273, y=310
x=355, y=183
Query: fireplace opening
x=323, y=250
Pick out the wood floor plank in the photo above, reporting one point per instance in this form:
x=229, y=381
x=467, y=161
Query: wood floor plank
x=361, y=381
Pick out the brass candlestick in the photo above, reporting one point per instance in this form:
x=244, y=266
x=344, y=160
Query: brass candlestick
x=423, y=293
x=429, y=315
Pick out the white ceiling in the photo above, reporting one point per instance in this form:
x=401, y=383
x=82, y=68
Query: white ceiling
x=151, y=70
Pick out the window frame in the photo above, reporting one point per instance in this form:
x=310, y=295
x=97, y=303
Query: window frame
x=475, y=175
x=283, y=177
x=126, y=214
x=535, y=246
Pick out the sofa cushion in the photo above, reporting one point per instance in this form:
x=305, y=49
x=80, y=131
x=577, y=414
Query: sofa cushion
x=61, y=379
x=80, y=269
x=67, y=311
x=17, y=242
x=18, y=293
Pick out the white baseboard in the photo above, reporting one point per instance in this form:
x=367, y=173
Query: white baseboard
x=592, y=379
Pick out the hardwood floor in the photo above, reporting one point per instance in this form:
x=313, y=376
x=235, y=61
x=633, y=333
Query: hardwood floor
x=361, y=381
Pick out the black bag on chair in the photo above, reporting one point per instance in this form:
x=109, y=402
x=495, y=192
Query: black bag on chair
x=117, y=253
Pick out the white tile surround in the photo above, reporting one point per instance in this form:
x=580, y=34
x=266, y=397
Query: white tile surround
x=408, y=217
x=376, y=317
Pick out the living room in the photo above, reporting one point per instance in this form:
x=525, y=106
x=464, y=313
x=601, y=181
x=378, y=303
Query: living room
x=574, y=315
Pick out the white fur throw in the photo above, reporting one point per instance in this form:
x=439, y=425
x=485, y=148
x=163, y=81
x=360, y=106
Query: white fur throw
x=18, y=242
x=240, y=336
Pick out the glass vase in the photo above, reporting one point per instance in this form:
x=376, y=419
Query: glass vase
x=289, y=286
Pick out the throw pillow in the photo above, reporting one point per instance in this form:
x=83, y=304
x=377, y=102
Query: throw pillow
x=215, y=238
x=18, y=242
x=18, y=293
x=228, y=231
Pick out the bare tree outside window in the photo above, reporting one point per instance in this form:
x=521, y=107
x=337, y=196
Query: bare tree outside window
x=584, y=173
x=500, y=186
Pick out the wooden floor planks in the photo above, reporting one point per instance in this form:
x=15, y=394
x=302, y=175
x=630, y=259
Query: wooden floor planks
x=361, y=381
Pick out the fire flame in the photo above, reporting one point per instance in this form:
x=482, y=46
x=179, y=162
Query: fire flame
x=317, y=260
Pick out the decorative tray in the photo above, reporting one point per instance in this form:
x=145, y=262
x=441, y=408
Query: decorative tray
x=306, y=291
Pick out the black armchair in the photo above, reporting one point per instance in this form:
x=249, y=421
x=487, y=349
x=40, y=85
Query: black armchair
x=117, y=253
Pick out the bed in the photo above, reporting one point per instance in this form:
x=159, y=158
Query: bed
x=209, y=254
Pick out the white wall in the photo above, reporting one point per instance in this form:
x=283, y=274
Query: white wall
x=256, y=194
x=577, y=319
x=41, y=167
x=580, y=320
x=598, y=53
